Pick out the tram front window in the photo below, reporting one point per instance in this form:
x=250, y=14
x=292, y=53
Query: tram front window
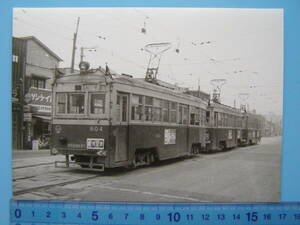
x=76, y=103
x=97, y=103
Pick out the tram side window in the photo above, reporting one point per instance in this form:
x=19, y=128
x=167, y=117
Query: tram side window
x=207, y=117
x=61, y=102
x=137, y=107
x=97, y=103
x=216, y=119
x=202, y=117
x=228, y=120
x=193, y=113
x=157, y=104
x=180, y=114
x=220, y=119
x=183, y=114
x=197, y=116
x=165, y=110
x=173, y=112
x=148, y=108
x=193, y=119
x=76, y=103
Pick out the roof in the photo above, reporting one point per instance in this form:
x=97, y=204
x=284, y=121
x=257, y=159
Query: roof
x=99, y=75
x=224, y=108
x=42, y=45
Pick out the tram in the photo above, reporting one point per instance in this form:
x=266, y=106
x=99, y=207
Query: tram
x=253, y=125
x=230, y=127
x=100, y=120
x=225, y=127
x=104, y=121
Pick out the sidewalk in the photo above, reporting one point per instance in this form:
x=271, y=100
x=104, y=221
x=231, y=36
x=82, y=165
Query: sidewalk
x=17, y=151
x=30, y=157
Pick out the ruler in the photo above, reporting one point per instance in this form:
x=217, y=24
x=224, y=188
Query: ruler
x=67, y=213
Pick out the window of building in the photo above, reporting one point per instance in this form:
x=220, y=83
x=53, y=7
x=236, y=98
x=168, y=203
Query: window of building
x=38, y=82
x=137, y=107
x=61, y=102
x=97, y=102
x=148, y=108
x=75, y=103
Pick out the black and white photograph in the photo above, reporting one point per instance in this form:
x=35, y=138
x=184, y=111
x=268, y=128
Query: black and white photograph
x=147, y=104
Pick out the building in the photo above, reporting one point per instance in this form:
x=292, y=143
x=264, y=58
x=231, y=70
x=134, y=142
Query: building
x=33, y=70
x=273, y=125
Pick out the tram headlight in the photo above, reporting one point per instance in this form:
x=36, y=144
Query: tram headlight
x=53, y=151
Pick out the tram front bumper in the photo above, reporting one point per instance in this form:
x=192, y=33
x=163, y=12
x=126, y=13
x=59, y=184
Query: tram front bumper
x=84, y=152
x=83, y=165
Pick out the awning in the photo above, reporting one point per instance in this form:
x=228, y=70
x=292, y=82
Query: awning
x=33, y=75
x=45, y=118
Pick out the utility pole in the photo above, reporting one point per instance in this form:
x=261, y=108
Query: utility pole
x=74, y=46
x=198, y=86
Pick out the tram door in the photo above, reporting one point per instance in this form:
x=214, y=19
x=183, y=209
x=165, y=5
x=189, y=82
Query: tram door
x=121, y=153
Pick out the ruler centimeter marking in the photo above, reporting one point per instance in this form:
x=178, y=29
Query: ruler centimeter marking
x=70, y=213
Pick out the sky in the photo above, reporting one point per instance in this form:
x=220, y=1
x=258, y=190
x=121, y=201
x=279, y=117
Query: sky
x=242, y=46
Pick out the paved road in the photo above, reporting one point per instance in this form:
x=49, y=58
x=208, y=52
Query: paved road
x=240, y=175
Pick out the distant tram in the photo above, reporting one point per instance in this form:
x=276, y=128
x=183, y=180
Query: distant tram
x=103, y=121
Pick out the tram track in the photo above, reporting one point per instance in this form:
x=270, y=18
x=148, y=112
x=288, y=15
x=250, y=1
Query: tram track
x=33, y=165
x=46, y=186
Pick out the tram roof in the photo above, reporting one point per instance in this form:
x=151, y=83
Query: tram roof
x=99, y=75
x=225, y=108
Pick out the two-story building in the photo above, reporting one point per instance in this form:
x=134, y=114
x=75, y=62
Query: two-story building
x=33, y=71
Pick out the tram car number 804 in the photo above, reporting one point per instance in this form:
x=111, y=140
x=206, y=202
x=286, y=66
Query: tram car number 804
x=103, y=121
